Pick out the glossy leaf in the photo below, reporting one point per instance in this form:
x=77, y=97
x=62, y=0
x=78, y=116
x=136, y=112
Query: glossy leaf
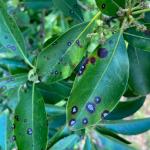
x=12, y=81
x=111, y=143
x=11, y=37
x=133, y=37
x=126, y=108
x=139, y=79
x=53, y=93
x=128, y=127
x=107, y=132
x=13, y=66
x=58, y=60
x=69, y=8
x=98, y=81
x=38, y=4
x=66, y=143
x=30, y=120
x=7, y=139
x=110, y=7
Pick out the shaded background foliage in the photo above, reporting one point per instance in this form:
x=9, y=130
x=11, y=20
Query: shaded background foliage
x=61, y=38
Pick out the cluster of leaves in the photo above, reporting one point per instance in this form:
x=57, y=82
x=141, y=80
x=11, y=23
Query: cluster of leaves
x=63, y=78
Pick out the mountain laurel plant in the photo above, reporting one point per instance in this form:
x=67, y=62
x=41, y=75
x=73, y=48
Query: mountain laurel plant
x=76, y=89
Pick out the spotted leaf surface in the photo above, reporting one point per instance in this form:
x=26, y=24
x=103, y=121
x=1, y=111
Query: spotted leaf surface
x=7, y=140
x=12, y=81
x=58, y=60
x=69, y=8
x=110, y=7
x=11, y=37
x=139, y=79
x=133, y=37
x=99, y=87
x=30, y=120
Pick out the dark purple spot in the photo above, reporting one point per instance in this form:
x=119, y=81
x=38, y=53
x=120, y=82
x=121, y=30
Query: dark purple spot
x=90, y=107
x=12, y=47
x=147, y=32
x=103, y=6
x=80, y=72
x=72, y=122
x=104, y=114
x=74, y=110
x=86, y=61
x=29, y=131
x=13, y=126
x=13, y=138
x=85, y=121
x=69, y=43
x=56, y=72
x=97, y=100
x=16, y=117
x=78, y=43
x=102, y=52
x=92, y=60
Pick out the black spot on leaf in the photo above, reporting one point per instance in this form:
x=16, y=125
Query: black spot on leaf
x=97, y=100
x=72, y=122
x=103, y=6
x=13, y=138
x=92, y=60
x=69, y=43
x=84, y=121
x=16, y=117
x=90, y=107
x=102, y=52
x=29, y=131
x=74, y=110
x=104, y=114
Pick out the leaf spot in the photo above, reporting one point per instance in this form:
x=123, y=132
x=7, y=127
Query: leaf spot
x=90, y=107
x=85, y=121
x=29, y=131
x=97, y=100
x=104, y=114
x=72, y=122
x=103, y=6
x=102, y=52
x=74, y=110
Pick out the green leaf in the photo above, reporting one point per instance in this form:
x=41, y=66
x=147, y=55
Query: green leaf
x=125, y=109
x=69, y=8
x=53, y=93
x=139, y=79
x=38, y=4
x=88, y=144
x=110, y=143
x=6, y=132
x=53, y=110
x=110, y=7
x=58, y=60
x=12, y=81
x=11, y=37
x=66, y=143
x=13, y=66
x=105, y=80
x=133, y=37
x=61, y=133
x=128, y=127
x=30, y=120
x=107, y=132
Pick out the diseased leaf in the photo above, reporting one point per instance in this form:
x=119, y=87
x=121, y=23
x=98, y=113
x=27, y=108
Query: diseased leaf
x=30, y=120
x=11, y=37
x=125, y=109
x=69, y=8
x=66, y=143
x=7, y=139
x=12, y=81
x=128, y=127
x=110, y=7
x=133, y=37
x=99, y=84
x=139, y=79
x=58, y=60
